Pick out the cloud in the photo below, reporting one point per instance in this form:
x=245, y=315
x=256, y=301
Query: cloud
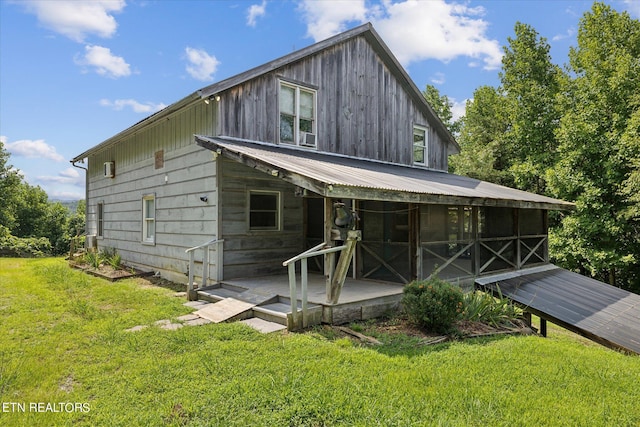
x=105, y=63
x=633, y=7
x=68, y=176
x=414, y=30
x=33, y=149
x=570, y=33
x=438, y=78
x=458, y=109
x=326, y=18
x=137, y=107
x=201, y=65
x=77, y=19
x=255, y=11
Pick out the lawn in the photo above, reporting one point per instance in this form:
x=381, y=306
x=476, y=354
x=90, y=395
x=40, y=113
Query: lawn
x=64, y=348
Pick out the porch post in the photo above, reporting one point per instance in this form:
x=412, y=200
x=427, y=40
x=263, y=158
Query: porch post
x=328, y=258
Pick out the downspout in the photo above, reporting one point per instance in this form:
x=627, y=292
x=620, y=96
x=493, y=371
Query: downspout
x=86, y=192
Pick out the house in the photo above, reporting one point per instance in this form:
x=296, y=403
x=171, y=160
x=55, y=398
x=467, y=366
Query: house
x=326, y=166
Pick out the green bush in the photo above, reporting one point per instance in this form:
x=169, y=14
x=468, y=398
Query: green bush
x=432, y=304
x=483, y=307
x=22, y=247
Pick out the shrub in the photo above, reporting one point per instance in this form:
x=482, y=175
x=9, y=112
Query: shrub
x=483, y=307
x=432, y=304
x=22, y=247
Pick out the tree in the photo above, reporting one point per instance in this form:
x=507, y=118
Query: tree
x=10, y=181
x=599, y=151
x=441, y=104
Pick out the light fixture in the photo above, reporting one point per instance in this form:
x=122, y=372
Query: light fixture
x=217, y=98
x=204, y=198
x=206, y=101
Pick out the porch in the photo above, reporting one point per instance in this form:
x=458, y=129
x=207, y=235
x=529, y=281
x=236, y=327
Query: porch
x=268, y=298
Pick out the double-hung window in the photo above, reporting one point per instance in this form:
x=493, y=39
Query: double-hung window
x=420, y=145
x=297, y=107
x=149, y=219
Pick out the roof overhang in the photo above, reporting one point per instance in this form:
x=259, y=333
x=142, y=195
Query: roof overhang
x=336, y=176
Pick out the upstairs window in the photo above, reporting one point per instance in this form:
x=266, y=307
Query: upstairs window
x=297, y=115
x=149, y=219
x=264, y=210
x=420, y=145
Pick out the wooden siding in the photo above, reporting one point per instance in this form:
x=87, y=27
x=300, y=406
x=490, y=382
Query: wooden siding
x=362, y=109
x=182, y=219
x=254, y=253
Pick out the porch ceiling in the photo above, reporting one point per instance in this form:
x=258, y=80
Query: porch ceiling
x=336, y=176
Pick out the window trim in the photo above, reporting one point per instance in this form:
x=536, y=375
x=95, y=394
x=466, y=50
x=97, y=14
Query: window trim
x=100, y=220
x=278, y=211
x=296, y=114
x=146, y=220
x=424, y=146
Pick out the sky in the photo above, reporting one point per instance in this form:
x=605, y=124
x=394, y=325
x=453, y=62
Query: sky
x=74, y=73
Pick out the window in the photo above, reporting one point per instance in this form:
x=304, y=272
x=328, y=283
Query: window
x=420, y=141
x=100, y=220
x=149, y=219
x=264, y=210
x=297, y=115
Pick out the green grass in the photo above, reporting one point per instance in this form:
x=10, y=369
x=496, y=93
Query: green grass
x=62, y=339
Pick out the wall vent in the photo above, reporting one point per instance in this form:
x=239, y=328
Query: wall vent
x=109, y=169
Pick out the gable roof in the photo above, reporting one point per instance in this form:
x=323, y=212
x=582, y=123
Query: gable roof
x=365, y=30
x=338, y=176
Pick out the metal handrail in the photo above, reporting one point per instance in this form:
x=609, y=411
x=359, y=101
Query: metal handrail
x=291, y=266
x=205, y=263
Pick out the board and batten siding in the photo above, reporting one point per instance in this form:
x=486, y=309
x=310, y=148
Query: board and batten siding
x=182, y=219
x=253, y=253
x=362, y=109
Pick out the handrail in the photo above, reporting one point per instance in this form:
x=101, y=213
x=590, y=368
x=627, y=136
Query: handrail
x=291, y=266
x=205, y=264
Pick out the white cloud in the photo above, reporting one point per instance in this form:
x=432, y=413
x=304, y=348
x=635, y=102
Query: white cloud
x=327, y=18
x=66, y=195
x=256, y=11
x=137, y=107
x=570, y=33
x=414, y=30
x=68, y=176
x=201, y=65
x=105, y=63
x=438, y=78
x=77, y=19
x=633, y=7
x=458, y=109
x=33, y=149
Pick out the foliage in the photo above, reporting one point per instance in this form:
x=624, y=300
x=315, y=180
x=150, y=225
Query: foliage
x=63, y=339
x=27, y=213
x=483, y=307
x=23, y=247
x=432, y=304
x=441, y=104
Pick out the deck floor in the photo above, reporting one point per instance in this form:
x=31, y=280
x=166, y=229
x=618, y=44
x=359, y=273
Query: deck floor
x=596, y=310
x=353, y=291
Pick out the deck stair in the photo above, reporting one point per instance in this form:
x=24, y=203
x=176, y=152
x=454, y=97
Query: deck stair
x=231, y=303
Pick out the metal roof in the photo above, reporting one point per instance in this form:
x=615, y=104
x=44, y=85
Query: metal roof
x=339, y=176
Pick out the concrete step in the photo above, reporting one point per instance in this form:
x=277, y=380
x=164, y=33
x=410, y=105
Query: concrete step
x=263, y=326
x=227, y=309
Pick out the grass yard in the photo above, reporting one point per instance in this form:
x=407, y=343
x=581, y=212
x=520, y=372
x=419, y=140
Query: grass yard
x=63, y=344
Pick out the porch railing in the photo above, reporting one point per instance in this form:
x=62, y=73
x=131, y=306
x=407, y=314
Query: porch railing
x=293, y=292
x=206, y=247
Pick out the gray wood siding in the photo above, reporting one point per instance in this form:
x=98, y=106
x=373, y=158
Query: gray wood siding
x=182, y=219
x=252, y=253
x=362, y=109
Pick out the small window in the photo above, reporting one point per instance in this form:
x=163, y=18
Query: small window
x=297, y=115
x=264, y=210
x=420, y=144
x=100, y=220
x=149, y=219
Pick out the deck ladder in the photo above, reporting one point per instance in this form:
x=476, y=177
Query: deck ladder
x=206, y=247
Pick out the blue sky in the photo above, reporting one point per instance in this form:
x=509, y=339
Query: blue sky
x=74, y=73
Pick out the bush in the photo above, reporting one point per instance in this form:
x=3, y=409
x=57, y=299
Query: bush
x=23, y=247
x=483, y=307
x=432, y=304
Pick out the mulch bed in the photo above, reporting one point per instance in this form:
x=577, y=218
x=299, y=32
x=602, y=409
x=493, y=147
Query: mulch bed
x=110, y=273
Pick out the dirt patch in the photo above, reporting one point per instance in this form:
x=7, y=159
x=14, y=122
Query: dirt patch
x=110, y=273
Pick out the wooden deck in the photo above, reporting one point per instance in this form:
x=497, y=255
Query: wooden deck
x=605, y=314
x=359, y=299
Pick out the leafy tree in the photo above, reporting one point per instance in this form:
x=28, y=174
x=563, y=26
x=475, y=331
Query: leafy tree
x=599, y=152
x=10, y=181
x=441, y=104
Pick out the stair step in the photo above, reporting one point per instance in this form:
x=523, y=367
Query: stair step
x=217, y=294
x=226, y=309
x=263, y=326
